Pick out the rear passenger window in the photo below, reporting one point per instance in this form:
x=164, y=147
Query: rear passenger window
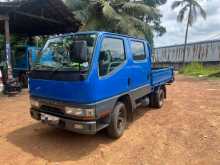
x=112, y=55
x=138, y=50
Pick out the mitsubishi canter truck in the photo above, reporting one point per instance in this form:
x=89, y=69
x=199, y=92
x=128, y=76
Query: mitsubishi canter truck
x=88, y=81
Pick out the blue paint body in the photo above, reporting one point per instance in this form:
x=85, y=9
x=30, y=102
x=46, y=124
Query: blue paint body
x=95, y=89
x=21, y=64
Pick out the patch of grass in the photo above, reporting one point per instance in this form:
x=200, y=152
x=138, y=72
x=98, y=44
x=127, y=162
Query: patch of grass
x=197, y=69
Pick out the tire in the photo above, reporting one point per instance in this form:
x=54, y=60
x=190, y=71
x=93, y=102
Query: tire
x=118, y=121
x=157, y=98
x=23, y=80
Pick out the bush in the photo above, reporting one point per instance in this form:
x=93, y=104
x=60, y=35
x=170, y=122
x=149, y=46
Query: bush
x=197, y=69
x=192, y=69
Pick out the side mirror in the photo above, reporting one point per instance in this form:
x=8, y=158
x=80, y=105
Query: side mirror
x=79, y=51
x=34, y=56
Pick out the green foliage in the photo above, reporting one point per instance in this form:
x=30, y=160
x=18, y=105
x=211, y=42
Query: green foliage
x=154, y=3
x=40, y=41
x=122, y=16
x=1, y=48
x=197, y=69
x=1, y=41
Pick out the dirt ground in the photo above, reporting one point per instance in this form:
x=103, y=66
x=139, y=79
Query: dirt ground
x=185, y=131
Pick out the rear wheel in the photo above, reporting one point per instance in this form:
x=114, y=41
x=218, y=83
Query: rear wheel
x=157, y=98
x=118, y=121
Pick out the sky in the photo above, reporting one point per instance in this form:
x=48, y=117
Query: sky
x=202, y=30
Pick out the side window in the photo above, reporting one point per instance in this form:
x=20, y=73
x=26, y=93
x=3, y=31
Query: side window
x=112, y=55
x=138, y=50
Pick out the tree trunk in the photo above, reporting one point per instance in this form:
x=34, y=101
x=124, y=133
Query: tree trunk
x=186, y=36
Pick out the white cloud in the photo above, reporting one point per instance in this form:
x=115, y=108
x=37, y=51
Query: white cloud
x=201, y=30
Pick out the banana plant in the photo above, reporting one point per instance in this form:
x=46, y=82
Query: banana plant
x=122, y=16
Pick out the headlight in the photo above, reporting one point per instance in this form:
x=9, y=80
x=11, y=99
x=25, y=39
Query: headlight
x=78, y=112
x=34, y=103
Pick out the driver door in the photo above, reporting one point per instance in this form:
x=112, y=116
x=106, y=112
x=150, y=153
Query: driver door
x=112, y=72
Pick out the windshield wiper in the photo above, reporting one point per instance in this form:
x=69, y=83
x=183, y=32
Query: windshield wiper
x=57, y=69
x=41, y=67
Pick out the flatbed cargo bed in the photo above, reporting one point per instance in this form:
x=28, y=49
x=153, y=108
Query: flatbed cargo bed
x=162, y=76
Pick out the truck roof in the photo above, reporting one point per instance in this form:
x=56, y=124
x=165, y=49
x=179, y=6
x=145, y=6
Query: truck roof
x=99, y=32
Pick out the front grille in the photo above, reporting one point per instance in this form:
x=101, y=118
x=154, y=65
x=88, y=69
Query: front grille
x=52, y=110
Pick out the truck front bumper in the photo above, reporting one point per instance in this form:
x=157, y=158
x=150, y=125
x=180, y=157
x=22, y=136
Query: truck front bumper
x=82, y=127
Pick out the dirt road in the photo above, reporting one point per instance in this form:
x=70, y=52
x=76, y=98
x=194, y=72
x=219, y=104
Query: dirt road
x=185, y=131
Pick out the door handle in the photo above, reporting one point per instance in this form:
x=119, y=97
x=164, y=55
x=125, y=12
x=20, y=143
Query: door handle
x=129, y=81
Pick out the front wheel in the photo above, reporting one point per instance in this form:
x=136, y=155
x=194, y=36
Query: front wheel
x=118, y=121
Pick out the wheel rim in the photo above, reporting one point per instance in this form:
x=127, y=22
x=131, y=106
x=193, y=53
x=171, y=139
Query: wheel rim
x=161, y=98
x=121, y=120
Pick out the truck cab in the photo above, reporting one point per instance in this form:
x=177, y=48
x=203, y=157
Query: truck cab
x=88, y=81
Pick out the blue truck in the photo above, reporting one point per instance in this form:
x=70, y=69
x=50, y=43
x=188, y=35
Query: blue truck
x=88, y=81
x=22, y=56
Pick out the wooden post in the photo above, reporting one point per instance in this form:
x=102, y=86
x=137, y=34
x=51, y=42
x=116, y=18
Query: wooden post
x=8, y=48
x=11, y=85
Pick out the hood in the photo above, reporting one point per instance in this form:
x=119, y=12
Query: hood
x=77, y=92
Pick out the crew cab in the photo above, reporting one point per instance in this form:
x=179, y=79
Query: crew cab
x=88, y=81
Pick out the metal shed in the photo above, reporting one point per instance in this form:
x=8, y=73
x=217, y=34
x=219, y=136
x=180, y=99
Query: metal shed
x=31, y=18
x=37, y=17
x=206, y=52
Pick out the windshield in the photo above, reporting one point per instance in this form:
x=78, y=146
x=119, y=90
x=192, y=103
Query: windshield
x=56, y=55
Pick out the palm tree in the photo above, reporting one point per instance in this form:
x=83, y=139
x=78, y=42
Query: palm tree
x=192, y=7
x=123, y=16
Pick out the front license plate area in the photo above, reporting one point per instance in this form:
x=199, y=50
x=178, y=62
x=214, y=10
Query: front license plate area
x=49, y=119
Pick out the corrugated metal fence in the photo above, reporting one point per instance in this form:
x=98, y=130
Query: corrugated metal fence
x=205, y=52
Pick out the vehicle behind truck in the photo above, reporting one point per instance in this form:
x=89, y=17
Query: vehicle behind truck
x=88, y=81
x=22, y=57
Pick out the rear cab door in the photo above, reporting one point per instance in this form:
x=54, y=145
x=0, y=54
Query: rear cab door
x=141, y=68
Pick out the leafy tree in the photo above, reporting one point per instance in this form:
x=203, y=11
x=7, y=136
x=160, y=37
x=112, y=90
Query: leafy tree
x=123, y=16
x=155, y=3
x=189, y=9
